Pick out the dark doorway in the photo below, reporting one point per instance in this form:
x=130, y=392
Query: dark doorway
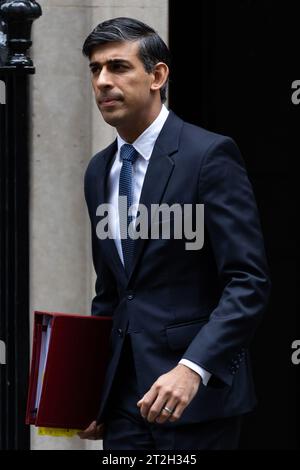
x=234, y=64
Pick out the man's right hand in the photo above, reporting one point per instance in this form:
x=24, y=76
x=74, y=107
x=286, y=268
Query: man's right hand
x=93, y=432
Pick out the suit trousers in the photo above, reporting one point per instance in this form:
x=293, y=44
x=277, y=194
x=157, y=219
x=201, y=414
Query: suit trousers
x=126, y=429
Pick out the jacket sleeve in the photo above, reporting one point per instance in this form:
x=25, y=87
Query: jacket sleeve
x=232, y=223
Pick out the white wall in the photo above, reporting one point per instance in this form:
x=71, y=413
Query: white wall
x=67, y=130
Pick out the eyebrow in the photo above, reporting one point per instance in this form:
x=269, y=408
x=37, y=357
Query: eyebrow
x=110, y=62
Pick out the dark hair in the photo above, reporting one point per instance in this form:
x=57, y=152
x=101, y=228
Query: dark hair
x=152, y=48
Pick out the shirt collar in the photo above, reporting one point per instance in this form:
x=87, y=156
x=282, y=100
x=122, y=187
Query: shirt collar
x=145, y=142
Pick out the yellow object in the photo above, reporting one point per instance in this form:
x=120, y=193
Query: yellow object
x=58, y=432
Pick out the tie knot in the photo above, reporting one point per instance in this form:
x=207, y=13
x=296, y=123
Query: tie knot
x=128, y=153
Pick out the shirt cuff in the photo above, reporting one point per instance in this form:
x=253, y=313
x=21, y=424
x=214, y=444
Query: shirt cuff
x=204, y=374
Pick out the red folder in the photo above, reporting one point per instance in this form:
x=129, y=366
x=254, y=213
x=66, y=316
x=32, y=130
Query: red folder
x=69, y=359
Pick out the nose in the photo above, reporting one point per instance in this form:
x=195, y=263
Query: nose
x=104, y=79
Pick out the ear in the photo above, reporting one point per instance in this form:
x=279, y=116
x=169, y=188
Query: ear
x=160, y=76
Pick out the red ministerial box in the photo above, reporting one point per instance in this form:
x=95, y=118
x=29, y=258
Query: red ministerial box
x=69, y=360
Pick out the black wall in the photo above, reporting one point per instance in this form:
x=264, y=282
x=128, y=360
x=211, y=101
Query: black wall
x=233, y=68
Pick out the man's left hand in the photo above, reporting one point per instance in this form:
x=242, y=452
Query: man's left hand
x=174, y=391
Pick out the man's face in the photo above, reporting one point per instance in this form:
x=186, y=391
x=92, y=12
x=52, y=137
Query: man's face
x=121, y=85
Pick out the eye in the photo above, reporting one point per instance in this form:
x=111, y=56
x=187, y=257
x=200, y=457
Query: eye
x=118, y=67
x=94, y=70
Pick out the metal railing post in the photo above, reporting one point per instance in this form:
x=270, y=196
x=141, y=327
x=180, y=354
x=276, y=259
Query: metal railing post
x=16, y=18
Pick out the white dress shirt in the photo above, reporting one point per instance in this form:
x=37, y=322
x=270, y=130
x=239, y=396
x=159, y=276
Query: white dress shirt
x=144, y=145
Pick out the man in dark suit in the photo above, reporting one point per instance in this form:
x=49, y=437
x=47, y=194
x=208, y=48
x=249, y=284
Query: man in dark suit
x=179, y=374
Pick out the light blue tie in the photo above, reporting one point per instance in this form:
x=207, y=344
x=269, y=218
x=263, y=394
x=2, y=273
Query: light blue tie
x=128, y=155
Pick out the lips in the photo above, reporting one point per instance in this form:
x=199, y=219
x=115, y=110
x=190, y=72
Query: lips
x=108, y=101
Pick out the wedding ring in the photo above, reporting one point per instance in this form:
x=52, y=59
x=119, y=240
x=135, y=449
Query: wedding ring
x=168, y=409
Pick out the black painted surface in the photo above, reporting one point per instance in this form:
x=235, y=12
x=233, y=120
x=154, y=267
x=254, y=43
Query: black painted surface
x=15, y=68
x=233, y=67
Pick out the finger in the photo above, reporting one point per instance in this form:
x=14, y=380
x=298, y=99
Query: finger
x=156, y=408
x=93, y=431
x=164, y=414
x=91, y=428
x=147, y=401
x=97, y=434
x=176, y=415
x=86, y=435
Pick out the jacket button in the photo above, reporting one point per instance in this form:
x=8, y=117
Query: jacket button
x=120, y=332
x=130, y=296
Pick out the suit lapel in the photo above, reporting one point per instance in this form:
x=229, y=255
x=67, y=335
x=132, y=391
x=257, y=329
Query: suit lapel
x=108, y=244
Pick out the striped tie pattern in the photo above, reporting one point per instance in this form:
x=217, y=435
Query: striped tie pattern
x=128, y=155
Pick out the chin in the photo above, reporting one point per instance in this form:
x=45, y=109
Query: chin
x=114, y=118
x=111, y=120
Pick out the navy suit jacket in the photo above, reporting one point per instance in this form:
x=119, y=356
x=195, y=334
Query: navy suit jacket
x=202, y=305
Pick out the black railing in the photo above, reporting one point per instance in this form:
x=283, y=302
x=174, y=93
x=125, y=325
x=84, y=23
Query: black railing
x=16, y=18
